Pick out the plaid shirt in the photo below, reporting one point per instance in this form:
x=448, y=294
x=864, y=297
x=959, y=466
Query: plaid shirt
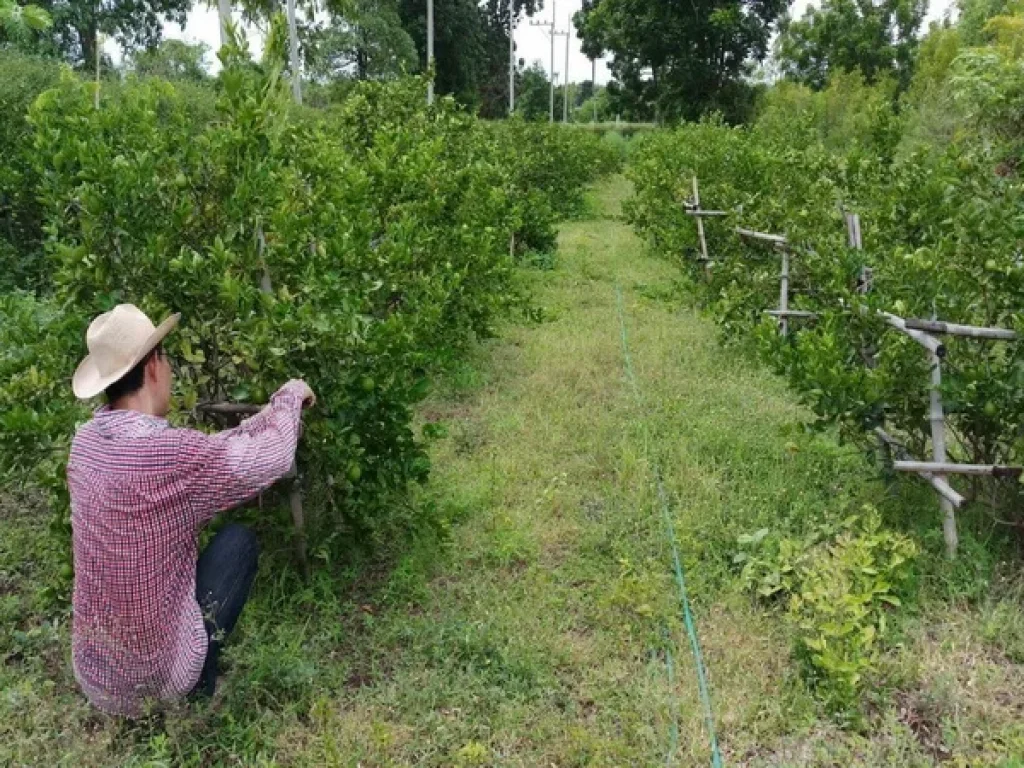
x=141, y=491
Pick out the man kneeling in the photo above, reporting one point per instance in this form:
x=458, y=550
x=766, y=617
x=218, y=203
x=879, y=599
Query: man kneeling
x=150, y=612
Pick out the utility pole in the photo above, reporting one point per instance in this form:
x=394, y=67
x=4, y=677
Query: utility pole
x=552, y=33
x=593, y=85
x=430, y=51
x=293, y=49
x=565, y=76
x=224, y=10
x=99, y=55
x=511, y=58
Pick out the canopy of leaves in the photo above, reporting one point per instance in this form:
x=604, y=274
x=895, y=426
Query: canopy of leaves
x=173, y=60
x=680, y=59
x=20, y=24
x=365, y=40
x=877, y=39
x=533, y=93
x=135, y=24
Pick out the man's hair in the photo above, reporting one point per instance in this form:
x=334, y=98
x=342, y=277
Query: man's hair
x=132, y=381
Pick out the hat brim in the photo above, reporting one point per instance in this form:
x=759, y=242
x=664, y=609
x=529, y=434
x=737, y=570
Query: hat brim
x=89, y=382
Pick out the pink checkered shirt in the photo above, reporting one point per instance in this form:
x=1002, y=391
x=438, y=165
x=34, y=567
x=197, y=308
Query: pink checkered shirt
x=141, y=491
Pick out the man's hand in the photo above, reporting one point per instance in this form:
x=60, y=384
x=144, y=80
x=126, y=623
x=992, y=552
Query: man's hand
x=308, y=398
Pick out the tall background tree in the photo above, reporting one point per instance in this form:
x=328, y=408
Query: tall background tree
x=680, y=59
x=364, y=40
x=878, y=39
x=173, y=60
x=470, y=47
x=135, y=24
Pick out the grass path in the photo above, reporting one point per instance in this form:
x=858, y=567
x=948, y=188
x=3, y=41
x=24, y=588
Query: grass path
x=540, y=632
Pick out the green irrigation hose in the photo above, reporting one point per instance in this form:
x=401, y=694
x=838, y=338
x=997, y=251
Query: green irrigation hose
x=684, y=600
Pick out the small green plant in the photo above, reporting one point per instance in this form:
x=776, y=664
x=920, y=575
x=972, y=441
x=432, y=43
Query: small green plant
x=837, y=582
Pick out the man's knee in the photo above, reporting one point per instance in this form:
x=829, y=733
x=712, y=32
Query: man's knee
x=241, y=541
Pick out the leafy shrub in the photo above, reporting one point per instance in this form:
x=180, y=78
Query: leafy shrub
x=21, y=258
x=361, y=249
x=940, y=236
x=37, y=340
x=837, y=581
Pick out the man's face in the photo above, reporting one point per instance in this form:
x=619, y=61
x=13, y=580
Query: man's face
x=161, y=383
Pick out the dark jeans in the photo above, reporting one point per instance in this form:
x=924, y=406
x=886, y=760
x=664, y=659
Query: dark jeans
x=224, y=575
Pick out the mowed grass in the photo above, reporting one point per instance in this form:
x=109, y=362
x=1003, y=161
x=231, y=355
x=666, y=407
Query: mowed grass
x=538, y=630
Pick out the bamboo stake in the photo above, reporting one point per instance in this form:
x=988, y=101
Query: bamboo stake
x=938, y=425
x=853, y=231
x=956, y=329
x=792, y=313
x=299, y=522
x=698, y=213
x=700, y=224
x=99, y=54
x=700, y=231
x=784, y=294
x=993, y=470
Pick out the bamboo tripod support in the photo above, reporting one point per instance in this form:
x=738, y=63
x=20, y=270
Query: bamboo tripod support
x=924, y=332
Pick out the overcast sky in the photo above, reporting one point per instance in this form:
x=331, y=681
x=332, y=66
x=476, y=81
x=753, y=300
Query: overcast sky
x=532, y=42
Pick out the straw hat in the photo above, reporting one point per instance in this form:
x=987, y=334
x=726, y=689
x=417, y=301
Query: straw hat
x=117, y=341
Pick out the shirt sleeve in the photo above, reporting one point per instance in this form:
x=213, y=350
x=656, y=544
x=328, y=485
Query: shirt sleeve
x=232, y=466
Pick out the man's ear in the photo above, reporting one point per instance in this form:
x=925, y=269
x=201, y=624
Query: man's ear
x=152, y=366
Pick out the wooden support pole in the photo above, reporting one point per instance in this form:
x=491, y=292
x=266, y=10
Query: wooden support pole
x=948, y=495
x=784, y=294
x=956, y=329
x=299, y=524
x=700, y=231
x=938, y=425
x=704, y=214
x=992, y=470
x=853, y=231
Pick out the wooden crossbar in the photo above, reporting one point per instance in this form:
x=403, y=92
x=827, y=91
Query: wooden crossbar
x=956, y=329
x=930, y=343
x=946, y=468
x=791, y=313
x=944, y=489
x=699, y=214
x=755, y=235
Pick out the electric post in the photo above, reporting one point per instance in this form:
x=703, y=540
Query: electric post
x=430, y=51
x=224, y=10
x=293, y=53
x=511, y=58
x=551, y=33
x=565, y=76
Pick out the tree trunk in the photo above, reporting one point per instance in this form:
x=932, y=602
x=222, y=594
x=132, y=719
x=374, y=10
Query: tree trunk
x=87, y=39
x=657, y=96
x=362, y=59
